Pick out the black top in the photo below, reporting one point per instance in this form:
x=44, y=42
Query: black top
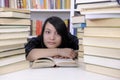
x=36, y=43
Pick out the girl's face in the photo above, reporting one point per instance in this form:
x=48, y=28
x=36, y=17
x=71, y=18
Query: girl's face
x=50, y=36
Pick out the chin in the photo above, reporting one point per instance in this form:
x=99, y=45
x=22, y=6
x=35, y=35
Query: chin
x=51, y=46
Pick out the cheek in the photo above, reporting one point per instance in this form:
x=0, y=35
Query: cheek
x=59, y=40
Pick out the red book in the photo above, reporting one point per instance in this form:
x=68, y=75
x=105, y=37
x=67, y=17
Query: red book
x=38, y=27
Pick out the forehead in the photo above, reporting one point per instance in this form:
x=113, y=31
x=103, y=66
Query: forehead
x=49, y=26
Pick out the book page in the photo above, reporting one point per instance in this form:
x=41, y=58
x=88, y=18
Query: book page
x=66, y=62
x=43, y=63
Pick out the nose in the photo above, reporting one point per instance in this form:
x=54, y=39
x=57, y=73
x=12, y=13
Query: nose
x=52, y=36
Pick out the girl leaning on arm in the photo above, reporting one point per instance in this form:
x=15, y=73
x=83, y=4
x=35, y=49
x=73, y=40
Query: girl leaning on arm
x=55, y=41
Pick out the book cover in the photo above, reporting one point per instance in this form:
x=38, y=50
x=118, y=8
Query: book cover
x=50, y=62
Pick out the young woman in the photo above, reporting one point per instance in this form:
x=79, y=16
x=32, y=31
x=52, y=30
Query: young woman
x=55, y=41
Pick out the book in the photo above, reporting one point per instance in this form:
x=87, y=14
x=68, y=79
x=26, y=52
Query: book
x=79, y=25
x=102, y=32
x=50, y=62
x=102, y=16
x=110, y=22
x=12, y=52
x=92, y=1
x=14, y=10
x=102, y=61
x=7, y=42
x=8, y=21
x=80, y=35
x=97, y=5
x=81, y=47
x=20, y=65
x=12, y=59
x=103, y=70
x=102, y=52
x=101, y=10
x=14, y=15
x=13, y=35
x=102, y=42
x=78, y=19
x=11, y=47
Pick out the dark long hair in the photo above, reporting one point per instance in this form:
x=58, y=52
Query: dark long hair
x=60, y=27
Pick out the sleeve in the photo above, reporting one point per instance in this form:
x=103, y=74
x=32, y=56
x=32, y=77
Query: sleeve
x=74, y=42
x=33, y=43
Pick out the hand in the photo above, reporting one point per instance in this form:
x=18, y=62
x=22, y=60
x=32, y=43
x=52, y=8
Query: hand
x=67, y=52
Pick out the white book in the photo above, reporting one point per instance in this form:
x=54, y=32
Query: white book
x=12, y=59
x=14, y=30
x=90, y=1
x=97, y=5
x=13, y=41
x=14, y=35
x=102, y=52
x=14, y=15
x=13, y=26
x=102, y=32
x=107, y=62
x=102, y=16
x=11, y=47
x=12, y=52
x=102, y=42
x=108, y=10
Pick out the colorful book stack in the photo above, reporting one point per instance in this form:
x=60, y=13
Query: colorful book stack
x=14, y=31
x=102, y=37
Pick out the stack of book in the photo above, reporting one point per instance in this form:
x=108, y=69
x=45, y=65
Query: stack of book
x=14, y=31
x=78, y=23
x=102, y=37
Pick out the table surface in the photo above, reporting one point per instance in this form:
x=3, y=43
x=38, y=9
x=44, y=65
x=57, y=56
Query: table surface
x=55, y=74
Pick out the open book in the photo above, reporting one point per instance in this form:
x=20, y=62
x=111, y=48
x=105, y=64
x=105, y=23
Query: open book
x=51, y=62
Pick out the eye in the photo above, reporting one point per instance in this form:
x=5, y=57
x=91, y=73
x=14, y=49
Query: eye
x=47, y=32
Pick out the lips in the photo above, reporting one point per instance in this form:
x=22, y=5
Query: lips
x=51, y=43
